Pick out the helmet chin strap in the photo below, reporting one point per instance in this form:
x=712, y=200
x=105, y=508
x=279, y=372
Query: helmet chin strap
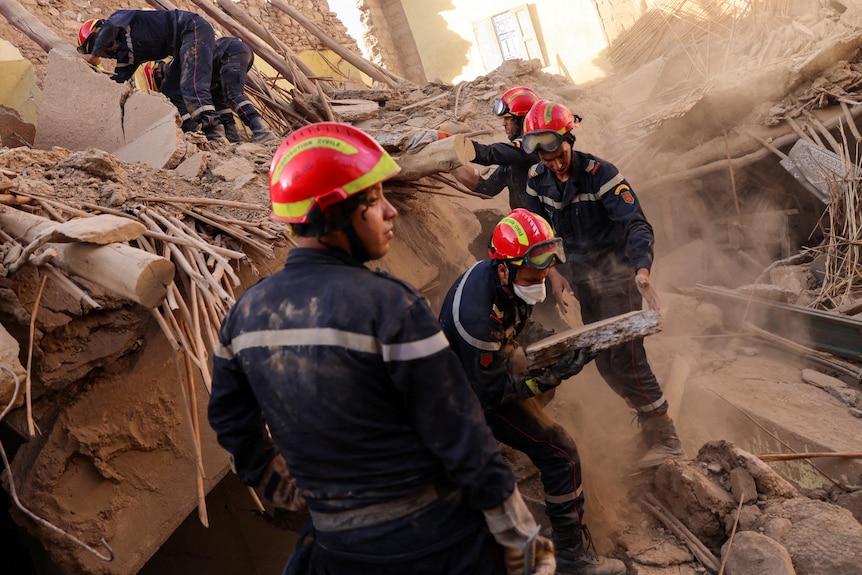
x=343, y=224
x=357, y=248
x=513, y=271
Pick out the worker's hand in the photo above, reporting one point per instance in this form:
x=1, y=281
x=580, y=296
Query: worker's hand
x=542, y=562
x=545, y=563
x=541, y=381
x=648, y=291
x=571, y=364
x=559, y=286
x=278, y=487
x=468, y=176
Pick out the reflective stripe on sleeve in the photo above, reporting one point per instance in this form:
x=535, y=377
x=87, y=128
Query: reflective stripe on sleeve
x=456, y=317
x=610, y=184
x=310, y=337
x=415, y=349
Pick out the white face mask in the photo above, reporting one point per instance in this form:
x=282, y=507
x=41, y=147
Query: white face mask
x=530, y=294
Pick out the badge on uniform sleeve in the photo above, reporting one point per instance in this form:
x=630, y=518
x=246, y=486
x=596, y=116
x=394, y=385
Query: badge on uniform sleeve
x=486, y=358
x=625, y=192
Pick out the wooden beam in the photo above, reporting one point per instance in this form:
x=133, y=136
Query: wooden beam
x=32, y=27
x=596, y=336
x=360, y=63
x=120, y=269
x=441, y=156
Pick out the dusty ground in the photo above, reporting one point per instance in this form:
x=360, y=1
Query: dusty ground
x=734, y=390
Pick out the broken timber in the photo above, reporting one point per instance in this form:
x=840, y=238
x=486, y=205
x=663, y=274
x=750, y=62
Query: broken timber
x=441, y=156
x=120, y=269
x=595, y=336
x=32, y=27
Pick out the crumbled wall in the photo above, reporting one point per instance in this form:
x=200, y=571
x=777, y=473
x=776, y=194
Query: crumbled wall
x=291, y=32
x=389, y=39
x=285, y=28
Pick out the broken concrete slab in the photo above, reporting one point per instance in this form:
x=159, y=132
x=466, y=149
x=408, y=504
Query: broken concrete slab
x=193, y=167
x=73, y=94
x=234, y=169
x=140, y=128
x=151, y=130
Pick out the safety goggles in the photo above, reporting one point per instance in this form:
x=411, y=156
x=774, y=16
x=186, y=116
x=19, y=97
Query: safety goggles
x=501, y=108
x=545, y=140
x=543, y=254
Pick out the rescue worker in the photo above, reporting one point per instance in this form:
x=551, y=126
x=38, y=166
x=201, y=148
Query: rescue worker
x=366, y=404
x=486, y=318
x=232, y=59
x=511, y=160
x=609, y=253
x=132, y=37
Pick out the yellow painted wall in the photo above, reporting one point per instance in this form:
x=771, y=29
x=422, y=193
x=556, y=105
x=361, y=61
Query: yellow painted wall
x=443, y=30
x=321, y=63
x=317, y=61
x=18, y=89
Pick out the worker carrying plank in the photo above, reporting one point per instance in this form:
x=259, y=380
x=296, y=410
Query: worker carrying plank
x=232, y=59
x=609, y=252
x=132, y=37
x=370, y=412
x=486, y=317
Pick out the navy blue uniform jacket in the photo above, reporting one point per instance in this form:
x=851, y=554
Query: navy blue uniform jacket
x=605, y=232
x=361, y=392
x=513, y=165
x=143, y=36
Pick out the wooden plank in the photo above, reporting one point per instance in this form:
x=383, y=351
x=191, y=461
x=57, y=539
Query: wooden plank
x=32, y=27
x=355, y=110
x=596, y=336
x=441, y=156
x=120, y=269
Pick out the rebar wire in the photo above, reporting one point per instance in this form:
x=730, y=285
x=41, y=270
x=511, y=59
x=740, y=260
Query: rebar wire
x=14, y=493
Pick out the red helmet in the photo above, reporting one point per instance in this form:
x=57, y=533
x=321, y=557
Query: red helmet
x=322, y=164
x=547, y=125
x=154, y=74
x=87, y=35
x=515, y=102
x=525, y=238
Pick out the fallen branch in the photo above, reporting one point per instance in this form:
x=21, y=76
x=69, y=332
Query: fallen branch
x=27, y=392
x=732, y=534
x=797, y=456
x=695, y=545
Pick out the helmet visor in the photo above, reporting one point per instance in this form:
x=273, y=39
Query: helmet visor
x=545, y=254
x=545, y=140
x=500, y=108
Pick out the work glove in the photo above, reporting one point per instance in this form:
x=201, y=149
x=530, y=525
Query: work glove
x=277, y=486
x=539, y=381
x=572, y=362
x=515, y=529
x=541, y=558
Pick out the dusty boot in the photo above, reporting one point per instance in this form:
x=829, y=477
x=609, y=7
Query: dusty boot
x=230, y=131
x=576, y=554
x=215, y=133
x=662, y=440
x=260, y=134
